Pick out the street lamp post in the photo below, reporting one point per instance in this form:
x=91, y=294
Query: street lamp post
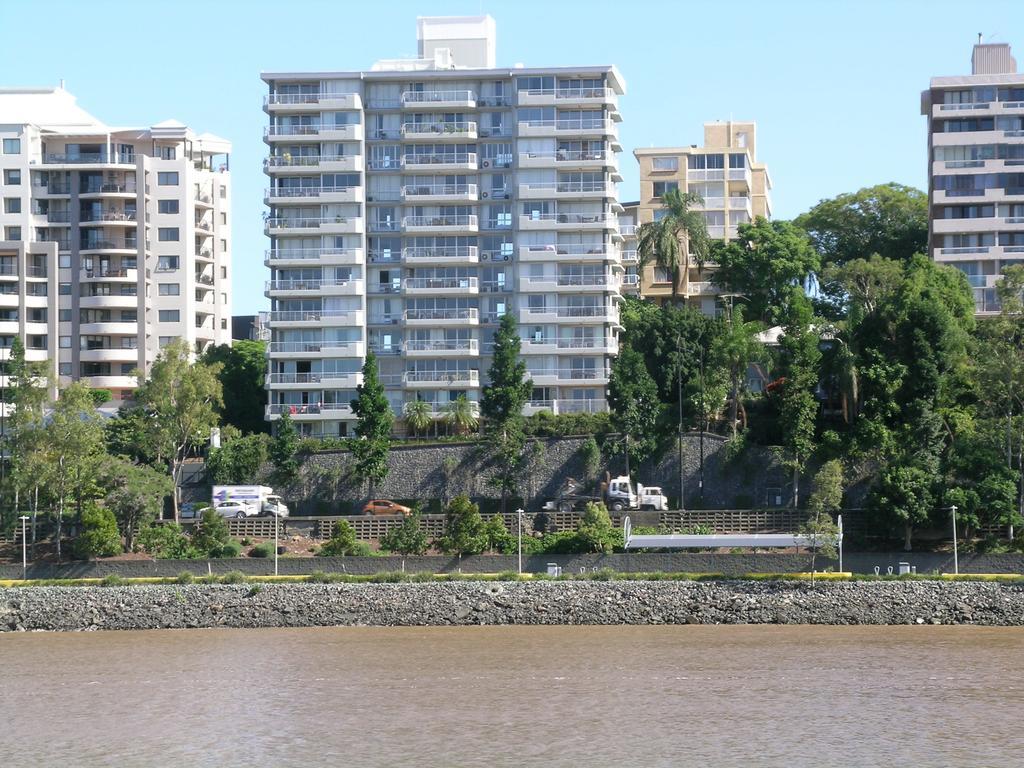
x=24, y=548
x=956, y=558
x=519, y=519
x=277, y=522
x=679, y=382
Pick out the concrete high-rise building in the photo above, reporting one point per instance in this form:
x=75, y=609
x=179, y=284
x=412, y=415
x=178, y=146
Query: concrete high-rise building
x=975, y=179
x=113, y=241
x=735, y=187
x=411, y=205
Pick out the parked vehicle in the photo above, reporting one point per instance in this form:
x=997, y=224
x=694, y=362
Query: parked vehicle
x=617, y=493
x=237, y=509
x=385, y=507
x=259, y=499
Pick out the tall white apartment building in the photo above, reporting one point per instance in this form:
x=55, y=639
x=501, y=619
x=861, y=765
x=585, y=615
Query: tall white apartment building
x=413, y=204
x=976, y=179
x=113, y=241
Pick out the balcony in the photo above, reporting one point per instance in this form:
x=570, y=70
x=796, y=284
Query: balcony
x=316, y=317
x=109, y=328
x=325, y=131
x=567, y=190
x=631, y=282
x=447, y=161
x=108, y=218
x=439, y=131
x=555, y=346
x=325, y=348
x=569, y=221
x=570, y=160
x=296, y=102
x=325, y=286
x=111, y=244
x=568, y=127
x=569, y=283
x=439, y=193
x=279, y=225
x=298, y=256
x=127, y=275
x=440, y=224
x=433, y=286
x=277, y=195
x=109, y=301
x=705, y=174
x=457, y=99
x=630, y=256
x=456, y=379
x=740, y=174
x=575, y=314
x=573, y=252
x=87, y=158
x=441, y=348
x=287, y=163
x=568, y=376
x=52, y=189
x=93, y=187
x=441, y=317
x=466, y=254
x=567, y=97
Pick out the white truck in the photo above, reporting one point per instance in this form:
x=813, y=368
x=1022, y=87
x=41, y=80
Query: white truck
x=259, y=499
x=617, y=493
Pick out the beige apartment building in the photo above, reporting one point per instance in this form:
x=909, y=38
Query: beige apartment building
x=413, y=204
x=975, y=180
x=736, y=188
x=113, y=240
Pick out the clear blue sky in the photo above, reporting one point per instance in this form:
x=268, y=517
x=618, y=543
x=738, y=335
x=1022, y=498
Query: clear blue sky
x=834, y=86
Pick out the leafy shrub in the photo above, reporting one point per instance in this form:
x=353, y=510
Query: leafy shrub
x=166, y=541
x=255, y=589
x=318, y=577
x=226, y=550
x=112, y=580
x=342, y=542
x=407, y=538
x=185, y=577
x=246, y=541
x=99, y=536
x=463, y=528
x=233, y=577
x=210, y=533
x=387, y=577
x=266, y=549
x=497, y=536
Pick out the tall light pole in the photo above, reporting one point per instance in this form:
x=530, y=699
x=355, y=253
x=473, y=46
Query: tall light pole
x=956, y=558
x=519, y=519
x=24, y=548
x=277, y=522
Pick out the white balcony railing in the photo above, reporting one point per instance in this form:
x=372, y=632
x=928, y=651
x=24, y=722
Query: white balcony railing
x=440, y=253
x=312, y=285
x=440, y=221
x=442, y=345
x=441, y=283
x=303, y=254
x=466, y=313
x=439, y=127
x=275, y=193
x=433, y=97
x=439, y=190
x=440, y=158
x=328, y=316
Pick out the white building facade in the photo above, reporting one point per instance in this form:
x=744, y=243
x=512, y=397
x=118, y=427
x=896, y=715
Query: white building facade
x=113, y=241
x=411, y=205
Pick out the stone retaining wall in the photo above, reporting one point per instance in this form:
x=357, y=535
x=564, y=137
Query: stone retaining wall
x=471, y=603
x=675, y=562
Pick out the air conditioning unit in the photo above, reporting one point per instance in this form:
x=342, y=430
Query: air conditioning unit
x=485, y=257
x=505, y=257
x=483, y=195
x=505, y=195
x=485, y=133
x=369, y=198
x=485, y=164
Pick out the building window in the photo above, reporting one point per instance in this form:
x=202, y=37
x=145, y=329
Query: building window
x=168, y=153
x=223, y=218
x=127, y=369
x=660, y=214
x=169, y=289
x=14, y=233
x=223, y=298
x=12, y=146
x=165, y=340
x=166, y=263
x=737, y=160
x=65, y=342
x=223, y=245
x=167, y=206
x=167, y=178
x=167, y=234
x=664, y=164
x=12, y=176
x=661, y=187
x=223, y=273
x=169, y=316
x=64, y=369
x=64, y=289
x=64, y=260
x=12, y=205
x=64, y=315
x=223, y=192
x=661, y=275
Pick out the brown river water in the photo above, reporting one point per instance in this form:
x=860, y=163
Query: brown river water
x=515, y=696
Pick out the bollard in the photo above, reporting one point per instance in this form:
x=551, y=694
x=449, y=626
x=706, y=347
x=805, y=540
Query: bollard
x=904, y=569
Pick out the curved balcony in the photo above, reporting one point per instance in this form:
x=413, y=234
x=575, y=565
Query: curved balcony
x=99, y=188
x=116, y=328
x=108, y=245
x=109, y=275
x=110, y=382
x=108, y=355
x=110, y=219
x=109, y=301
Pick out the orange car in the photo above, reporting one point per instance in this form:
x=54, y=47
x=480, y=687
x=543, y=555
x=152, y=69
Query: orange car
x=385, y=507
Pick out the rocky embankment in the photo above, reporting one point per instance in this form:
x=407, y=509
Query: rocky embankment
x=547, y=602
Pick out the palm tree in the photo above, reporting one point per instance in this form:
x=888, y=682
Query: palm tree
x=734, y=349
x=671, y=241
x=461, y=415
x=418, y=416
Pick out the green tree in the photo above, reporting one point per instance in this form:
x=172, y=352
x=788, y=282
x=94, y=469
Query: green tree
x=407, y=538
x=282, y=451
x=902, y=496
x=181, y=400
x=679, y=237
x=72, y=450
x=501, y=405
x=463, y=528
x=418, y=415
x=243, y=368
x=590, y=456
x=496, y=534
x=127, y=434
x=210, y=535
x=596, y=532
x=343, y=542
x=732, y=351
x=134, y=494
x=373, y=430
x=460, y=415
x=799, y=405
x=101, y=396
x=99, y=536
x=825, y=500
x=166, y=541
x=633, y=397
x=238, y=461
x=25, y=395
x=763, y=263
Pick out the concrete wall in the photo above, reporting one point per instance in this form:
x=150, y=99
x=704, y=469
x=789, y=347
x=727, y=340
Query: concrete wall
x=679, y=562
